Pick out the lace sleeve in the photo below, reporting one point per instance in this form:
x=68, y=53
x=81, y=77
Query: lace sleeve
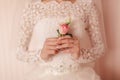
x=26, y=29
x=91, y=54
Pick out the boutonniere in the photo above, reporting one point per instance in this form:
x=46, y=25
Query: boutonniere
x=64, y=27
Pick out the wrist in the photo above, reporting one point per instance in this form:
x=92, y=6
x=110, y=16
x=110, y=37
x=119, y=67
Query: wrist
x=44, y=56
x=76, y=55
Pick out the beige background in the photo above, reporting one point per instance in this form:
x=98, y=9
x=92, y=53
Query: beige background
x=11, y=69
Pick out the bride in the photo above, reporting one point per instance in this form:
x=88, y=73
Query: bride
x=62, y=37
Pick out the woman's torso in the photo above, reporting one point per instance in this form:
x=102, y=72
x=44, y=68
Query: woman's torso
x=48, y=16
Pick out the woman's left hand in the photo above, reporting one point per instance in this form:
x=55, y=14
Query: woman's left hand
x=69, y=44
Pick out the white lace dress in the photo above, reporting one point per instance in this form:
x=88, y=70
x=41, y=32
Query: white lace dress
x=40, y=21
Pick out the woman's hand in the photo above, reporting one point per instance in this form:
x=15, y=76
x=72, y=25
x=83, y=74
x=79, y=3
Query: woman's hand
x=69, y=45
x=64, y=44
x=49, y=48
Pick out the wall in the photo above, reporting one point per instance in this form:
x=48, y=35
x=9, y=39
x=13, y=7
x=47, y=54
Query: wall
x=10, y=68
x=111, y=63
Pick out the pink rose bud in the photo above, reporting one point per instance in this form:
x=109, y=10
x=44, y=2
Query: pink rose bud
x=64, y=28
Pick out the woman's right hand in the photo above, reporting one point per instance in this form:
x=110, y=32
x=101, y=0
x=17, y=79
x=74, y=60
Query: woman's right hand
x=49, y=48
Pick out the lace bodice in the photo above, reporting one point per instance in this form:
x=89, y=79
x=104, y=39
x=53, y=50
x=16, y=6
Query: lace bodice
x=40, y=22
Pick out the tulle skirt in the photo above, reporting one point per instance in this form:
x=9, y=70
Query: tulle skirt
x=39, y=73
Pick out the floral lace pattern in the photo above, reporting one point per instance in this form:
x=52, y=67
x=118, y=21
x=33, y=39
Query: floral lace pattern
x=85, y=9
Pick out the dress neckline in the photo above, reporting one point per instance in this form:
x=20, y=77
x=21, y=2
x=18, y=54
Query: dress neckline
x=54, y=1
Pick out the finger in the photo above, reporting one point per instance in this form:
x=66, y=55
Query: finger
x=52, y=43
x=67, y=50
x=52, y=39
x=76, y=40
x=64, y=37
x=52, y=52
x=64, y=46
x=52, y=47
x=68, y=41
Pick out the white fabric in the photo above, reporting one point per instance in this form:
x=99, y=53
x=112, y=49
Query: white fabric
x=40, y=21
x=40, y=73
